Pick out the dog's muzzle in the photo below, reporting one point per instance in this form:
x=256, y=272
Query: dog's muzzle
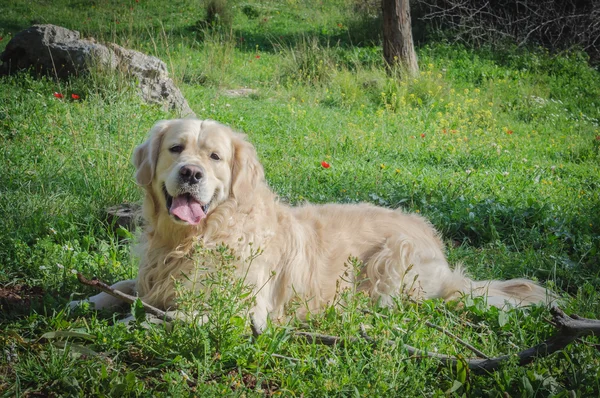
x=186, y=207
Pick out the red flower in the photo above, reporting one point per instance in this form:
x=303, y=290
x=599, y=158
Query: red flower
x=444, y=131
x=509, y=132
x=1, y=37
x=58, y=95
x=422, y=135
x=325, y=164
x=598, y=138
x=257, y=57
x=75, y=96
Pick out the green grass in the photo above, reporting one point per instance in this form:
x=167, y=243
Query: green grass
x=499, y=148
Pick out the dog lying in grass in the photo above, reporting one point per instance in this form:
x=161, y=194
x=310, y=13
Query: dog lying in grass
x=204, y=183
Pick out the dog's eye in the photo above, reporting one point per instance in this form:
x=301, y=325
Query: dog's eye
x=176, y=149
x=215, y=156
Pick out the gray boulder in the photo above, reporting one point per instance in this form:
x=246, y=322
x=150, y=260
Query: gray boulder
x=60, y=52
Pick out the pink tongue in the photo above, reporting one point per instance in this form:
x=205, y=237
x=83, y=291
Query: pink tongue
x=187, y=209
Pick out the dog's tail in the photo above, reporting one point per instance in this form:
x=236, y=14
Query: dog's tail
x=512, y=292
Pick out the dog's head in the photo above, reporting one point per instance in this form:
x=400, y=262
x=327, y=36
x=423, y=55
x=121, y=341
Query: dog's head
x=192, y=166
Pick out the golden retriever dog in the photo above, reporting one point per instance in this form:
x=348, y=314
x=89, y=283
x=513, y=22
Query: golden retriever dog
x=204, y=183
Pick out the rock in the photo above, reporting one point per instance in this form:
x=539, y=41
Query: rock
x=125, y=215
x=60, y=52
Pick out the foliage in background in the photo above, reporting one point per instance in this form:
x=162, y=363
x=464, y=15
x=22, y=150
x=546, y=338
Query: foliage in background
x=499, y=148
x=554, y=25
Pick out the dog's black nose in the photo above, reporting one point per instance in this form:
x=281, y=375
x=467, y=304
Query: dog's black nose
x=191, y=174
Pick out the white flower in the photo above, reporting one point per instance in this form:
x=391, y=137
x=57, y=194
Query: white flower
x=53, y=231
x=42, y=267
x=60, y=266
x=524, y=160
x=74, y=271
x=227, y=105
x=552, y=168
x=505, y=173
x=468, y=171
x=185, y=376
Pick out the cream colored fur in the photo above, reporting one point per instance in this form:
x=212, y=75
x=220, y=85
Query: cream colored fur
x=305, y=249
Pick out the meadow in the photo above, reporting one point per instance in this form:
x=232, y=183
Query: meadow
x=498, y=146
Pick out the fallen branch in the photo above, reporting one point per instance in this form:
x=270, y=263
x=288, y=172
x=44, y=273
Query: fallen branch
x=103, y=287
x=477, y=352
x=570, y=328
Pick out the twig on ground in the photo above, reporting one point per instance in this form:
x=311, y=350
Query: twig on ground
x=457, y=339
x=446, y=332
x=570, y=328
x=103, y=287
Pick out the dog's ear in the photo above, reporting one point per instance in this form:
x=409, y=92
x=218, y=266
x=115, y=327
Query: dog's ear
x=145, y=155
x=247, y=172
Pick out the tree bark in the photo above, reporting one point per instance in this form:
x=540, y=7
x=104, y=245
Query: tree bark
x=398, y=46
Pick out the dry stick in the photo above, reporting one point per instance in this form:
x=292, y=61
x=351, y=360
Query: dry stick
x=446, y=332
x=458, y=339
x=569, y=328
x=99, y=285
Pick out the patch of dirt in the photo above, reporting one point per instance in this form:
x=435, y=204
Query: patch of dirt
x=19, y=296
x=249, y=381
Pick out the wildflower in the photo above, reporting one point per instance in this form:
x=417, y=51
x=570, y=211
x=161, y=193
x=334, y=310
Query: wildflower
x=257, y=56
x=227, y=105
x=185, y=376
x=60, y=266
x=553, y=168
x=325, y=165
x=42, y=267
x=397, y=171
x=505, y=173
x=468, y=171
x=598, y=138
x=74, y=271
x=1, y=38
x=75, y=96
x=509, y=132
x=382, y=166
x=58, y=95
x=422, y=135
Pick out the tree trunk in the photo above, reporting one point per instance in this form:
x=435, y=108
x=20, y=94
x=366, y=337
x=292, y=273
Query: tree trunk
x=398, y=46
